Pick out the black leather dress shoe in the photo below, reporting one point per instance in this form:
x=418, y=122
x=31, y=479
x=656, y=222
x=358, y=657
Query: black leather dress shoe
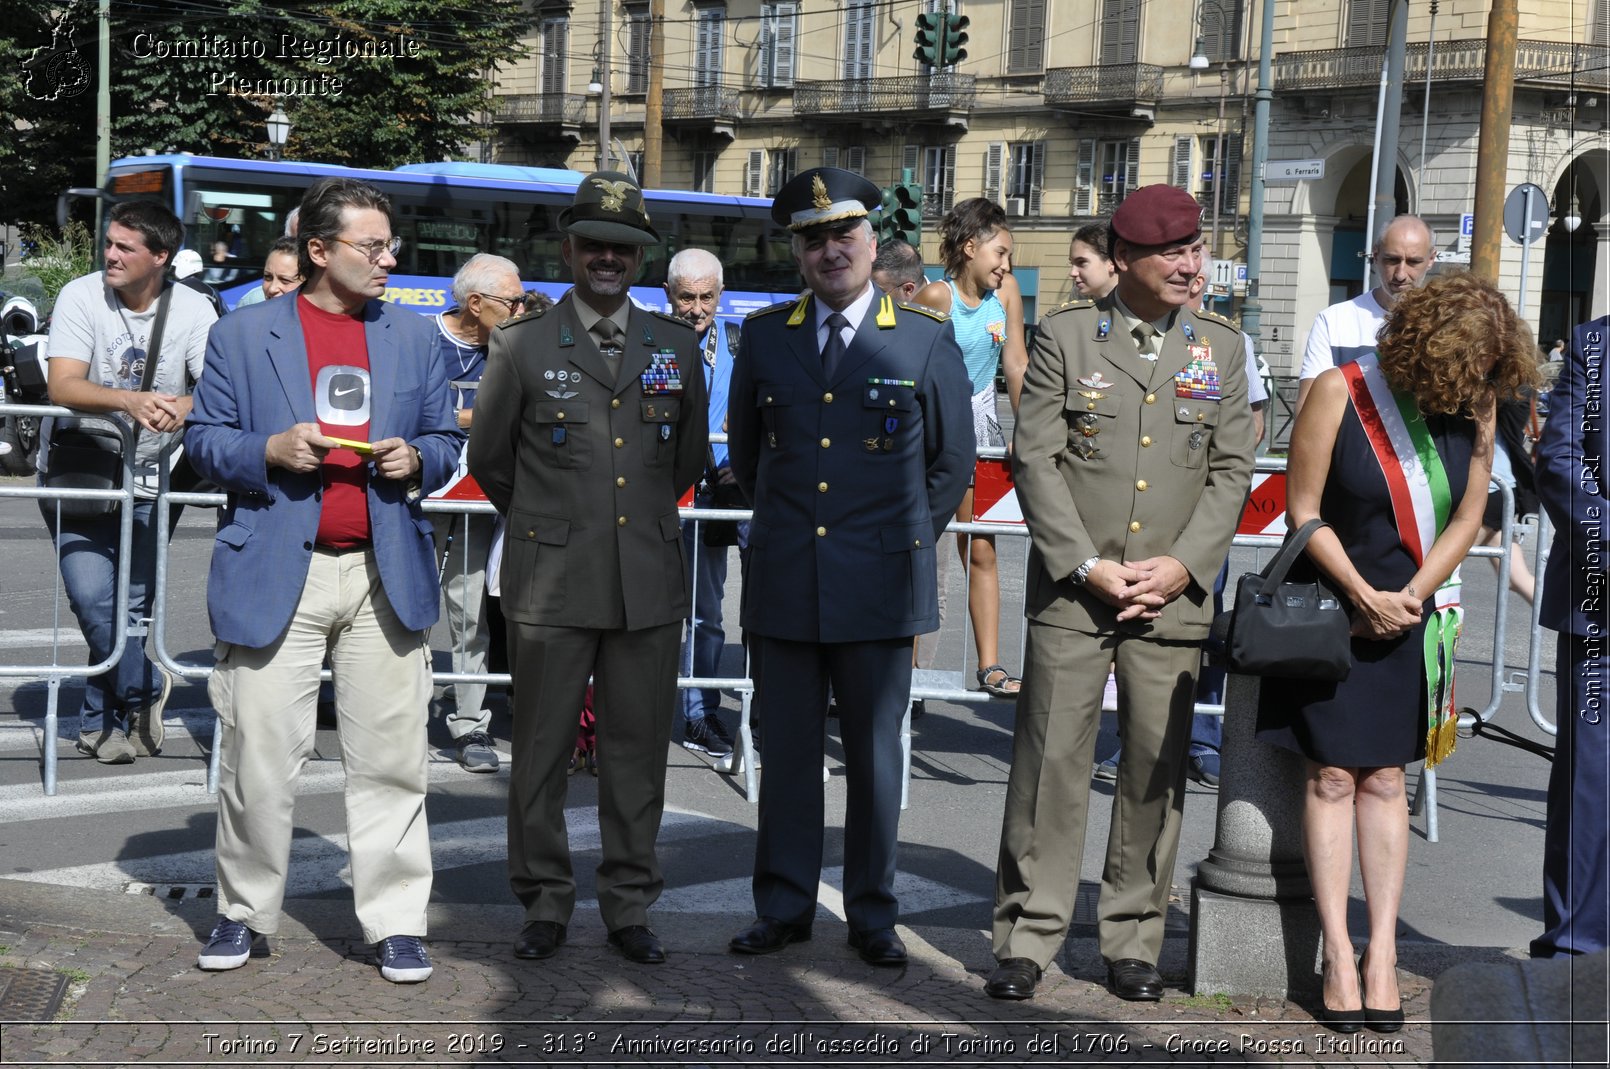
x=1134, y=980
x=880, y=946
x=1013, y=978
x=639, y=944
x=767, y=936
x=539, y=939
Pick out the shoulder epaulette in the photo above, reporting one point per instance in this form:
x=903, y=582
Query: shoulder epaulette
x=669, y=318
x=1217, y=318
x=923, y=309
x=1066, y=305
x=780, y=306
x=534, y=313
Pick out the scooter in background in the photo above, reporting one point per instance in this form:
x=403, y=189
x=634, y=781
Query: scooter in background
x=22, y=370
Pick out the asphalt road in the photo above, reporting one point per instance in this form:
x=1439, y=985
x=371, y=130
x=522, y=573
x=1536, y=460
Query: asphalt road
x=151, y=825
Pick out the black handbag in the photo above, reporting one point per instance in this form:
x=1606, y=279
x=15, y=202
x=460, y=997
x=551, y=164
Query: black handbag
x=86, y=456
x=1289, y=630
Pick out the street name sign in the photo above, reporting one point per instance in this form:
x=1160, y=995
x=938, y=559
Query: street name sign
x=1293, y=170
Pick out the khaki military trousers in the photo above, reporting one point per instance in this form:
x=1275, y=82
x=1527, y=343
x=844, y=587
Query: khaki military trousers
x=1048, y=791
x=267, y=702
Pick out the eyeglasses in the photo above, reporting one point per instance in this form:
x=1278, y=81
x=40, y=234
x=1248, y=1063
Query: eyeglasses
x=513, y=304
x=375, y=249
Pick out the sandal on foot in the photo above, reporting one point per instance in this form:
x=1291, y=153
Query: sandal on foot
x=1007, y=686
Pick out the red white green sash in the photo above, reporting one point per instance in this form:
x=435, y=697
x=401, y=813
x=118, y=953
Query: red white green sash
x=1422, y=504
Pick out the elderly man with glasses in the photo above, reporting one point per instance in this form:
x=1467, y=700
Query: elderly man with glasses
x=486, y=292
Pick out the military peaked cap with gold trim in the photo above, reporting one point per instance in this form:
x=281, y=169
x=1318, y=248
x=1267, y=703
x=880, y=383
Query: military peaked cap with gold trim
x=824, y=195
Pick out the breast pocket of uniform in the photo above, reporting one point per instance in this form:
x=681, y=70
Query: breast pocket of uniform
x=773, y=401
x=1194, y=421
x=561, y=434
x=659, y=429
x=889, y=412
x=1091, y=414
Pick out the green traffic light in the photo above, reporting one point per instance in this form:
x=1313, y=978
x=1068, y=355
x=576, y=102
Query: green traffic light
x=955, y=36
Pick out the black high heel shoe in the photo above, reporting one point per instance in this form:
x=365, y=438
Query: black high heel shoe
x=1384, y=1021
x=1344, y=1021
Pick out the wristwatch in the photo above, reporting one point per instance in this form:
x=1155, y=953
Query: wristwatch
x=1082, y=573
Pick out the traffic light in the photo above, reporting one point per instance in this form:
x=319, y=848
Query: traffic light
x=930, y=38
x=955, y=36
x=901, y=215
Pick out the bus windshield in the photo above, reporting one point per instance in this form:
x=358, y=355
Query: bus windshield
x=234, y=210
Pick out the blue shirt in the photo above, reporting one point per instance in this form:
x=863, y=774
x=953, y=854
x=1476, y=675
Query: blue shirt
x=980, y=333
x=465, y=362
x=716, y=358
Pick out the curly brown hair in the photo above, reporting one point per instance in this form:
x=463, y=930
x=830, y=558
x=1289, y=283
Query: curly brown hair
x=970, y=220
x=1435, y=337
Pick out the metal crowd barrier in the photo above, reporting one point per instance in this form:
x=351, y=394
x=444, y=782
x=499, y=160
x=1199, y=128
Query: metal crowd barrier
x=54, y=672
x=947, y=684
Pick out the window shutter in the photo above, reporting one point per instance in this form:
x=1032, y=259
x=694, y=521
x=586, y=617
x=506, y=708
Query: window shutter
x=1036, y=176
x=785, y=23
x=994, y=153
x=1366, y=23
x=1084, y=178
x=554, y=32
x=858, y=26
x=1132, y=169
x=1180, y=168
x=1025, y=37
x=830, y=157
x=911, y=160
x=754, y=172
x=1120, y=31
x=1230, y=189
x=948, y=190
x=855, y=159
x=707, y=57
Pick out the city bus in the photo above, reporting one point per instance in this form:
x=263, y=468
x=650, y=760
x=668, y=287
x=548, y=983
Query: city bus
x=446, y=213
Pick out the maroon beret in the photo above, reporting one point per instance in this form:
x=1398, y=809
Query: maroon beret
x=1157, y=215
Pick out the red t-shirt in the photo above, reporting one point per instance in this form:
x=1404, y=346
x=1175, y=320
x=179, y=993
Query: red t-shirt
x=338, y=360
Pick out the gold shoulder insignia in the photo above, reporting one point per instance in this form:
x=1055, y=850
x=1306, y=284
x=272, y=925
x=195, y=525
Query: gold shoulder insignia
x=534, y=313
x=1066, y=305
x=1214, y=317
x=780, y=306
x=923, y=309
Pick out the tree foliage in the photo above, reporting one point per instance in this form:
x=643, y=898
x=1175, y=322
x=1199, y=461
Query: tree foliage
x=369, y=83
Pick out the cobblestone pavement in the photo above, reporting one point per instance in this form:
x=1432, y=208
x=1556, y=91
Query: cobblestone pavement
x=136, y=998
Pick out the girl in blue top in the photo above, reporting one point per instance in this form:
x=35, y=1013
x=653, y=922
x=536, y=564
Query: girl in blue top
x=986, y=310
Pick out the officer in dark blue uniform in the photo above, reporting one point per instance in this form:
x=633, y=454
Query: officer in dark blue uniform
x=851, y=432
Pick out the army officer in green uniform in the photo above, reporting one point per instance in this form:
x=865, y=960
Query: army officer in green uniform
x=589, y=425
x=1133, y=454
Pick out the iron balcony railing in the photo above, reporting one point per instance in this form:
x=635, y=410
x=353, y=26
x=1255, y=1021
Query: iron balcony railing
x=564, y=108
x=937, y=92
x=1105, y=84
x=715, y=102
x=1559, y=63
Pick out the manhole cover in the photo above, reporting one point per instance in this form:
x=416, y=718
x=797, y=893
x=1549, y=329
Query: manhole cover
x=30, y=994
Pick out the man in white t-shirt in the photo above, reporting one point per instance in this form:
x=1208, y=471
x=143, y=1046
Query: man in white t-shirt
x=100, y=333
x=1404, y=253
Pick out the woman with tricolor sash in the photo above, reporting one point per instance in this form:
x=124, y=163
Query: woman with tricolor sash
x=1393, y=451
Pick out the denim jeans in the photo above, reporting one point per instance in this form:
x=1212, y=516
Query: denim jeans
x=87, y=552
x=703, y=637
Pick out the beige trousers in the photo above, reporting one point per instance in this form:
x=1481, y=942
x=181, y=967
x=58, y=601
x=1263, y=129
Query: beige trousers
x=267, y=703
x=1048, y=791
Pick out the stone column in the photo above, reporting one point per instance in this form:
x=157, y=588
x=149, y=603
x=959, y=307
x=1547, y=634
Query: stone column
x=1254, y=929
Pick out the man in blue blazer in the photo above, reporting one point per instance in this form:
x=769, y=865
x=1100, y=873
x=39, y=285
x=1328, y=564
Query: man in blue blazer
x=1571, y=486
x=326, y=417
x=851, y=430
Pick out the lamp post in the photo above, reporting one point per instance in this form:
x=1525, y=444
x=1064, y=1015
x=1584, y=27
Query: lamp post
x=279, y=131
x=1200, y=62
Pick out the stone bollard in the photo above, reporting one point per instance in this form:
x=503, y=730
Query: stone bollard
x=1550, y=1011
x=1254, y=929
